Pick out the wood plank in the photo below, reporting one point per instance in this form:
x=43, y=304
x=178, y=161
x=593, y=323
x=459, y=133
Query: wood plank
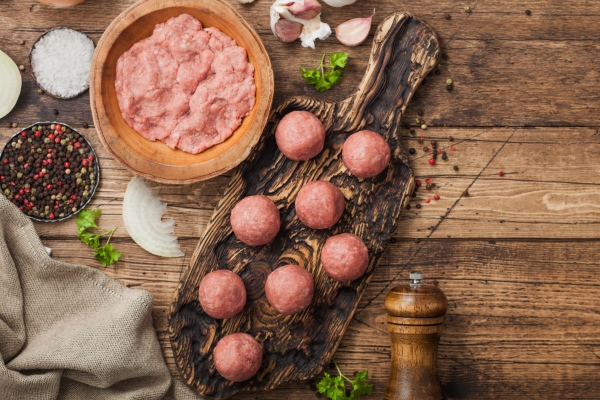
x=517, y=309
x=492, y=51
x=551, y=182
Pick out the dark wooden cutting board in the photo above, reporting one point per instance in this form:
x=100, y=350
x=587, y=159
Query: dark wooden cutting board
x=297, y=347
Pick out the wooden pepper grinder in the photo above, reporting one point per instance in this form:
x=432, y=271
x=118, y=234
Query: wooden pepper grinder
x=415, y=316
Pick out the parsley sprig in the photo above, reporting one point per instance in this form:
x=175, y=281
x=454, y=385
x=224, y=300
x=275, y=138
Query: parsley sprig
x=334, y=387
x=322, y=80
x=86, y=220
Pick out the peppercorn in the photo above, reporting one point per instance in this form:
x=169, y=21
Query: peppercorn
x=21, y=67
x=413, y=132
x=455, y=167
x=465, y=193
x=444, y=156
x=14, y=125
x=467, y=9
x=436, y=197
x=447, y=16
x=431, y=161
x=418, y=205
x=40, y=91
x=412, y=151
x=449, y=88
x=424, y=126
x=527, y=12
x=501, y=173
x=85, y=125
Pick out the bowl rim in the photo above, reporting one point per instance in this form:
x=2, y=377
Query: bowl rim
x=96, y=169
x=209, y=168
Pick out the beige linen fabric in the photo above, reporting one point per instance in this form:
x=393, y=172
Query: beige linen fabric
x=71, y=332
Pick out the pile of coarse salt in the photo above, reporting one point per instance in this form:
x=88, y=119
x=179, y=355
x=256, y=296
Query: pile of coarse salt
x=61, y=61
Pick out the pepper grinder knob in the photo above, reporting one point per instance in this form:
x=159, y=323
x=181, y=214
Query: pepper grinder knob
x=415, y=316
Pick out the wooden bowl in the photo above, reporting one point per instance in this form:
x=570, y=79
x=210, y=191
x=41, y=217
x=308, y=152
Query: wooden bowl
x=155, y=160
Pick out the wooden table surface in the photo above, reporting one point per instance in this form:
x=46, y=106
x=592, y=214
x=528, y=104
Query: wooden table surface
x=517, y=258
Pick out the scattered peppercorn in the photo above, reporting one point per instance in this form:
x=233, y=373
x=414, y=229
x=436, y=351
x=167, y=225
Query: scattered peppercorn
x=426, y=149
x=465, y=193
x=418, y=205
x=408, y=206
x=421, y=138
x=455, y=167
x=451, y=138
x=14, y=125
x=420, y=112
x=436, y=197
x=431, y=161
x=40, y=91
x=467, y=9
x=85, y=125
x=55, y=111
x=453, y=148
x=444, y=156
x=501, y=173
x=418, y=183
x=21, y=67
x=413, y=132
x=449, y=88
x=445, y=56
x=424, y=126
x=447, y=16
x=21, y=42
x=527, y=12
x=412, y=151
x=428, y=201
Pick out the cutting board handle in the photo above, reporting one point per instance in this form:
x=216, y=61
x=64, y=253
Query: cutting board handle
x=404, y=51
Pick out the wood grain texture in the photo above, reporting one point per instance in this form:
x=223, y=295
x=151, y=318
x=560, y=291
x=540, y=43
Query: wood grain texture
x=523, y=317
x=297, y=347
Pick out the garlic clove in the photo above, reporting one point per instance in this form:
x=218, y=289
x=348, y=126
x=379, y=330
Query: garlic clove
x=354, y=31
x=288, y=31
x=312, y=29
x=308, y=10
x=339, y=3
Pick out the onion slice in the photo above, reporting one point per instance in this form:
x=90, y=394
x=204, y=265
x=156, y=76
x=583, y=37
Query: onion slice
x=10, y=84
x=142, y=215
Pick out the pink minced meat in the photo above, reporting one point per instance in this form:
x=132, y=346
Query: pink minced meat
x=187, y=86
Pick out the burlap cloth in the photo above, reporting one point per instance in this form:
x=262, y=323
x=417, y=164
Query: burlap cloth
x=69, y=331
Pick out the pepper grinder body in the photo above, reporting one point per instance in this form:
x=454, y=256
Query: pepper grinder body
x=415, y=316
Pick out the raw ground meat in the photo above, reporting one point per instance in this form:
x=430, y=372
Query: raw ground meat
x=320, y=204
x=222, y=294
x=289, y=289
x=237, y=357
x=366, y=154
x=185, y=85
x=345, y=257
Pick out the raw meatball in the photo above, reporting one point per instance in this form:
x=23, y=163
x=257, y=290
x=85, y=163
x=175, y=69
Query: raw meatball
x=300, y=135
x=345, y=257
x=237, y=357
x=320, y=204
x=222, y=294
x=255, y=220
x=366, y=154
x=289, y=289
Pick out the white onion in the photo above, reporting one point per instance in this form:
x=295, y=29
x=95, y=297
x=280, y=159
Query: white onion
x=10, y=84
x=142, y=215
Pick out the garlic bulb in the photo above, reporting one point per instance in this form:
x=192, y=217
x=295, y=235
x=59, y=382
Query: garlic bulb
x=245, y=1
x=312, y=28
x=354, y=31
x=339, y=3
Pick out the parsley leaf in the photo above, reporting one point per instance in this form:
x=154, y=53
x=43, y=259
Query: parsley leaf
x=338, y=59
x=360, y=387
x=86, y=220
x=334, y=387
x=106, y=255
x=322, y=80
